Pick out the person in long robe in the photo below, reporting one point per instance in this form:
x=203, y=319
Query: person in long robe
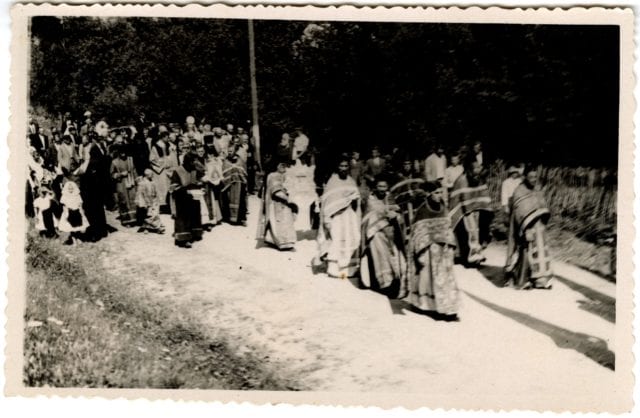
x=188, y=223
x=382, y=262
x=160, y=160
x=200, y=194
x=528, y=260
x=407, y=194
x=471, y=213
x=148, y=205
x=213, y=186
x=431, y=283
x=95, y=186
x=276, y=224
x=123, y=173
x=340, y=222
x=234, y=191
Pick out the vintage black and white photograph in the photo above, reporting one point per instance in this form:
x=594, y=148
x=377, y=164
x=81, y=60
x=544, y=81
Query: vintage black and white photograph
x=315, y=204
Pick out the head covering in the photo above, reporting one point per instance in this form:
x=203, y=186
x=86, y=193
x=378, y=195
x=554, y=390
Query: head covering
x=191, y=120
x=513, y=169
x=87, y=114
x=71, y=195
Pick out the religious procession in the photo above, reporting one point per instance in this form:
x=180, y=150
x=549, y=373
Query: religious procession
x=396, y=222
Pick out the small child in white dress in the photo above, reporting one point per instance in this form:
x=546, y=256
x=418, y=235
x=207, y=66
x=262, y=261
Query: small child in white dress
x=73, y=219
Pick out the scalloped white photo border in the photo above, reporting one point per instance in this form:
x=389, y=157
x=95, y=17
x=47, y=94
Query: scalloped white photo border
x=622, y=401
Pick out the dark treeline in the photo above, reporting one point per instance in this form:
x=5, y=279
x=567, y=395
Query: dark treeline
x=533, y=92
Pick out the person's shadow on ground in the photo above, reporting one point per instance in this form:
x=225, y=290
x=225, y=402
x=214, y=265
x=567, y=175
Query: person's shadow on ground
x=494, y=274
x=594, y=348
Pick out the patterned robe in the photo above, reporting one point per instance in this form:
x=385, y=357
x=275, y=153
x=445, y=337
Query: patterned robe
x=432, y=285
x=383, y=261
x=470, y=213
x=528, y=258
x=276, y=224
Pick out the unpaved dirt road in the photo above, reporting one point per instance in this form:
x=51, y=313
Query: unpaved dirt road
x=544, y=347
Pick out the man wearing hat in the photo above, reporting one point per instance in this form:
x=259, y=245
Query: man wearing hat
x=509, y=186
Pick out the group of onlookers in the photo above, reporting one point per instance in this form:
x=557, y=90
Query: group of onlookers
x=199, y=174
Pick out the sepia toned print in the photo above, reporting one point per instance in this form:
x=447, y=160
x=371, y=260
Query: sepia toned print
x=415, y=207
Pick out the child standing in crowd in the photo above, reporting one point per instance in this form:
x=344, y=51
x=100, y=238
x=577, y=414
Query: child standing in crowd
x=45, y=207
x=73, y=220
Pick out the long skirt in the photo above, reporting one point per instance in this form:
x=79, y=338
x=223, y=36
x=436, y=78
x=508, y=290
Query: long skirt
x=73, y=220
x=188, y=223
x=93, y=202
x=126, y=204
x=214, y=213
x=235, y=202
x=534, y=263
x=280, y=231
x=433, y=287
x=343, y=258
x=382, y=263
x=162, y=183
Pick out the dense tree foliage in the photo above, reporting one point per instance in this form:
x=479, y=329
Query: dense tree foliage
x=544, y=93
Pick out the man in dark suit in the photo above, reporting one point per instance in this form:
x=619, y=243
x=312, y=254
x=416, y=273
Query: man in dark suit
x=39, y=141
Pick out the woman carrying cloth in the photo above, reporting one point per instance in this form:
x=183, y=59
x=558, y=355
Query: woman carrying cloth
x=528, y=261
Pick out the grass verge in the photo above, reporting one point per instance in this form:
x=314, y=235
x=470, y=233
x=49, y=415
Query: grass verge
x=87, y=328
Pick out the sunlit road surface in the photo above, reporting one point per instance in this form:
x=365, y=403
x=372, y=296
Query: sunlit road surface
x=550, y=348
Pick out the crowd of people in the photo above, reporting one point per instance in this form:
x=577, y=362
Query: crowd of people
x=199, y=174
x=397, y=222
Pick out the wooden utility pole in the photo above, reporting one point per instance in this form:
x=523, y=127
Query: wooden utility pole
x=255, y=128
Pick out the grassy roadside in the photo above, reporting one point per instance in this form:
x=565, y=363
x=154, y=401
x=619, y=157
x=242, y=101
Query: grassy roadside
x=88, y=328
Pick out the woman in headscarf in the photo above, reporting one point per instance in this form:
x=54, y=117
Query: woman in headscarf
x=432, y=285
x=528, y=261
x=124, y=176
x=278, y=213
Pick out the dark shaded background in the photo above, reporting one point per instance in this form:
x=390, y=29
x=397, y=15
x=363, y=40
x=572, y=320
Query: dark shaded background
x=538, y=93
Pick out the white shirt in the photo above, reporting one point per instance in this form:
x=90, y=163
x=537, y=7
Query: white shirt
x=508, y=187
x=451, y=174
x=434, y=167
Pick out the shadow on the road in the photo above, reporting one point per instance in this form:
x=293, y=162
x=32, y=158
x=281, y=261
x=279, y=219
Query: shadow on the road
x=398, y=306
x=591, y=347
x=598, y=304
x=494, y=274
x=309, y=235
